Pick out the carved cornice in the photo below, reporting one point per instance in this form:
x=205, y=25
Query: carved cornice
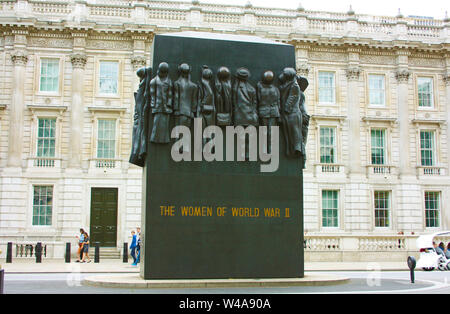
x=78, y=60
x=353, y=73
x=19, y=57
x=402, y=75
x=138, y=62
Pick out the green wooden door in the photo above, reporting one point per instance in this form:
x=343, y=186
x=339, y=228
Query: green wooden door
x=104, y=216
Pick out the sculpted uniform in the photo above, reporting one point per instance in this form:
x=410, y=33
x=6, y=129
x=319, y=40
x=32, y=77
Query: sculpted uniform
x=206, y=107
x=291, y=116
x=161, y=104
x=244, y=100
x=268, y=100
x=223, y=96
x=141, y=114
x=184, y=98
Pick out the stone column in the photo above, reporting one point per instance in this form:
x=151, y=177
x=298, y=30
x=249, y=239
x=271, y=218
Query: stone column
x=353, y=115
x=402, y=75
x=19, y=58
x=78, y=60
x=446, y=206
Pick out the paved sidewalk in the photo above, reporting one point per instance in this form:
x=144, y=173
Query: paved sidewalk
x=28, y=265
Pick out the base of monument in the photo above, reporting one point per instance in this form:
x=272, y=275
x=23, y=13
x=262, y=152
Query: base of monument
x=134, y=281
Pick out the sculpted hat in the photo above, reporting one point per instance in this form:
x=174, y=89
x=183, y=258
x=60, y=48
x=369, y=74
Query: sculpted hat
x=243, y=73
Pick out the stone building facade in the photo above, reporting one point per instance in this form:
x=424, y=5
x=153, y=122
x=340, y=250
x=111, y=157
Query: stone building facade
x=378, y=164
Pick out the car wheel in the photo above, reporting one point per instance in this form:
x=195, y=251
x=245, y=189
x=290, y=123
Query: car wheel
x=442, y=267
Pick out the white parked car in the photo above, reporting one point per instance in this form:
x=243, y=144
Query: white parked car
x=429, y=259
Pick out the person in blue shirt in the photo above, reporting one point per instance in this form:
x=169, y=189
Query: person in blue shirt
x=139, y=245
x=133, y=247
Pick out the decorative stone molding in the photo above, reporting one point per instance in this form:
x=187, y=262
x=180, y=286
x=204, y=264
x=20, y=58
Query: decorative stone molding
x=447, y=78
x=303, y=69
x=402, y=75
x=78, y=60
x=19, y=57
x=353, y=73
x=138, y=62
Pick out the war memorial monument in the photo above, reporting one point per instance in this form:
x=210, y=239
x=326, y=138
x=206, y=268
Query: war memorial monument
x=220, y=128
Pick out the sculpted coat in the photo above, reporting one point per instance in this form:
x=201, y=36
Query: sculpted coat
x=161, y=104
x=223, y=96
x=185, y=94
x=206, y=104
x=141, y=116
x=291, y=116
x=244, y=100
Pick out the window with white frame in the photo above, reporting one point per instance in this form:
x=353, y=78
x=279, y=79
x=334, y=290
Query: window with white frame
x=106, y=138
x=378, y=146
x=49, y=75
x=330, y=208
x=432, y=209
x=377, y=93
x=46, y=137
x=327, y=87
x=327, y=145
x=382, y=208
x=425, y=92
x=42, y=205
x=109, y=77
x=427, y=148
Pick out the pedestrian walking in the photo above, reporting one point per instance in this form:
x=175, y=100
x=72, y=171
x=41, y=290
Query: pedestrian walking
x=138, y=245
x=133, y=247
x=86, y=248
x=80, y=246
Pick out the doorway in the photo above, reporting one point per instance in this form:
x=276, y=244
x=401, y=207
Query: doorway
x=104, y=216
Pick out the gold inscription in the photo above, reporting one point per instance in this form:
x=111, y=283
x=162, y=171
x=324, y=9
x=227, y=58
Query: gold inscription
x=223, y=211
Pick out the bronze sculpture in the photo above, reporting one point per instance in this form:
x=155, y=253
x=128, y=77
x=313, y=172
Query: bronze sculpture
x=185, y=94
x=268, y=97
x=238, y=103
x=141, y=115
x=244, y=100
x=291, y=116
x=303, y=84
x=206, y=105
x=161, y=95
x=223, y=96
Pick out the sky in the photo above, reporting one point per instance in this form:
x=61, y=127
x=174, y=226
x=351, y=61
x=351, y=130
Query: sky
x=429, y=8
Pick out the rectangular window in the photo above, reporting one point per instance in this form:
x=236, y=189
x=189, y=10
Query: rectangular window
x=42, y=205
x=330, y=208
x=49, y=76
x=432, y=209
x=46, y=137
x=327, y=87
x=327, y=145
x=425, y=91
x=382, y=204
x=109, y=77
x=427, y=148
x=376, y=90
x=106, y=139
x=378, y=146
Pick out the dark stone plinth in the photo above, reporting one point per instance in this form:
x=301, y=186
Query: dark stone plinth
x=202, y=247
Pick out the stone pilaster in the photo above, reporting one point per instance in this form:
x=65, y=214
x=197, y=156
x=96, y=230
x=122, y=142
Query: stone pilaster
x=78, y=59
x=19, y=58
x=402, y=75
x=353, y=114
x=301, y=55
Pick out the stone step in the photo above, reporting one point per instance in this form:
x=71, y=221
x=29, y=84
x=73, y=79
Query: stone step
x=106, y=253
